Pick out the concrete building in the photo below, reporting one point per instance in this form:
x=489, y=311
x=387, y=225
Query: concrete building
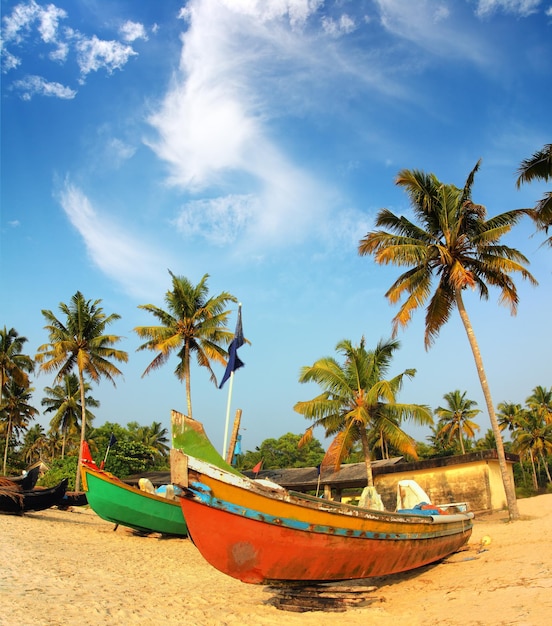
x=473, y=478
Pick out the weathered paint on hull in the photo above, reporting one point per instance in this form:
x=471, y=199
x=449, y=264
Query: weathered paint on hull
x=281, y=504
x=257, y=552
x=263, y=533
x=122, y=504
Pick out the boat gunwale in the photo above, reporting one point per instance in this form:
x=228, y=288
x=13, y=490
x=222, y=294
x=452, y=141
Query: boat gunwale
x=117, y=482
x=324, y=506
x=200, y=493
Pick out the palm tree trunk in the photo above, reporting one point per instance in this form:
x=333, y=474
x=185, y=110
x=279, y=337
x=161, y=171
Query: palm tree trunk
x=367, y=462
x=535, y=481
x=8, y=435
x=508, y=485
x=545, y=466
x=83, y=429
x=188, y=385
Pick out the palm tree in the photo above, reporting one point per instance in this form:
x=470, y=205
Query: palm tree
x=13, y=364
x=15, y=412
x=487, y=442
x=534, y=438
x=440, y=445
x=65, y=402
x=193, y=324
x=456, y=420
x=540, y=401
x=357, y=398
x=458, y=247
x=79, y=342
x=509, y=415
x=35, y=443
x=539, y=167
x=154, y=437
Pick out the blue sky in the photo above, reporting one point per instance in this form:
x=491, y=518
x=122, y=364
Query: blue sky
x=255, y=140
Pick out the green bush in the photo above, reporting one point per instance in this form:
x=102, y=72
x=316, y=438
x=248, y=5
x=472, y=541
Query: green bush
x=60, y=469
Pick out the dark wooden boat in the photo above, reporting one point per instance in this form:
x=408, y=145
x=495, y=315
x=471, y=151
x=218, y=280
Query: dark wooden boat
x=73, y=498
x=28, y=480
x=13, y=499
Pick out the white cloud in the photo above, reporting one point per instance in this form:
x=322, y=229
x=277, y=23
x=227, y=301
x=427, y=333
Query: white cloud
x=28, y=20
x=213, y=126
x=17, y=25
x=130, y=31
x=94, y=54
x=431, y=26
x=516, y=7
x=119, y=151
x=38, y=86
x=111, y=247
x=297, y=12
x=9, y=61
x=219, y=220
x=343, y=26
x=48, y=18
x=60, y=53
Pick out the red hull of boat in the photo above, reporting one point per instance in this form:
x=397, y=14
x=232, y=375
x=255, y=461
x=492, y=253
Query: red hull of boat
x=284, y=554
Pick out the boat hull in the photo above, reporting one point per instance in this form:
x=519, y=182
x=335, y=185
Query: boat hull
x=128, y=506
x=33, y=500
x=265, y=533
x=270, y=549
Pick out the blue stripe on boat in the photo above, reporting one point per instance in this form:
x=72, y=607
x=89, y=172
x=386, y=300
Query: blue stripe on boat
x=203, y=494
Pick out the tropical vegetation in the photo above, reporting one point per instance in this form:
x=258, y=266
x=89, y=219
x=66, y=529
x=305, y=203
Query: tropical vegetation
x=357, y=399
x=193, y=324
x=456, y=419
x=449, y=247
x=14, y=369
x=539, y=167
x=78, y=342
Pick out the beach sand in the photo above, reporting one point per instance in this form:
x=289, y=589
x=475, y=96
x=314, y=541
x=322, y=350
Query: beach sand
x=70, y=567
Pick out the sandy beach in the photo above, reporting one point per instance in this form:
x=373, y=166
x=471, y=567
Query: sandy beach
x=70, y=567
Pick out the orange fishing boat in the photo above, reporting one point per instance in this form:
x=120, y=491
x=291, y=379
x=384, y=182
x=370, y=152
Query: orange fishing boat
x=259, y=532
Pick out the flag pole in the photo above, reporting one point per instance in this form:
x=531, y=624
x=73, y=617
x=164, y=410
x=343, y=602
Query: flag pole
x=112, y=442
x=233, y=364
x=228, y=403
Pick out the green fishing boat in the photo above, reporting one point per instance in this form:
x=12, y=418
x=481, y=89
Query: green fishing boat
x=115, y=501
x=146, y=511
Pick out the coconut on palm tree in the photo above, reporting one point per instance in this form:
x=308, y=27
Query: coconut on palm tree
x=193, y=324
x=450, y=247
x=456, y=419
x=356, y=398
x=79, y=342
x=539, y=167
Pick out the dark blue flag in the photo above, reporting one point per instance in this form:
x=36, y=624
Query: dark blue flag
x=234, y=361
x=112, y=441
